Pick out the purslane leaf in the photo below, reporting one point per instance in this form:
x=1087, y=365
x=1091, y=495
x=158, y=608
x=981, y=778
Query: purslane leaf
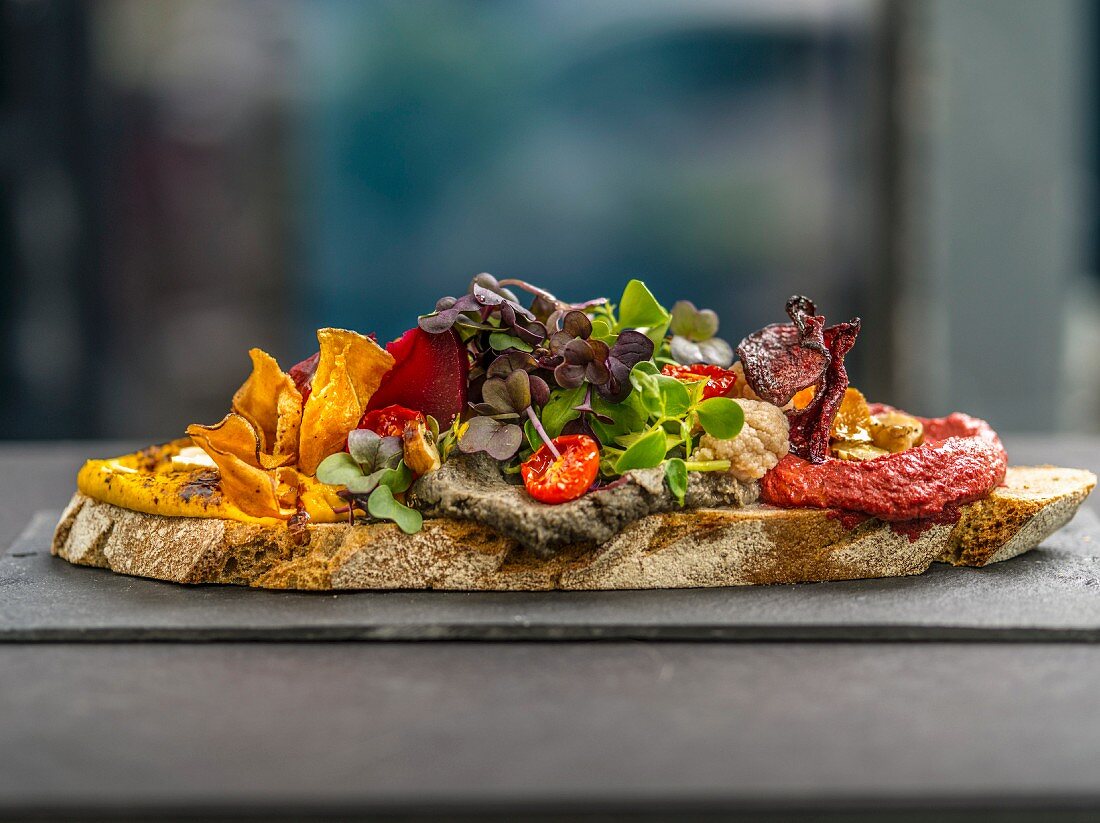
x=644, y=453
x=675, y=397
x=639, y=309
x=676, y=475
x=720, y=417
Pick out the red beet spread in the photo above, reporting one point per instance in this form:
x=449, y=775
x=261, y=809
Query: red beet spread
x=960, y=460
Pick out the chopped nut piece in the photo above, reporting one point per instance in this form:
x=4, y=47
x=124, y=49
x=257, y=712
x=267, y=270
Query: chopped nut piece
x=896, y=432
x=421, y=454
x=856, y=450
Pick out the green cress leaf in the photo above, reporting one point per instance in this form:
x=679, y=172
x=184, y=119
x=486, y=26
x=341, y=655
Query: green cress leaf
x=720, y=417
x=601, y=330
x=338, y=469
x=626, y=417
x=644, y=453
x=560, y=411
x=366, y=484
x=639, y=309
x=398, y=479
x=433, y=427
x=384, y=506
x=500, y=341
x=675, y=397
x=693, y=323
x=676, y=475
x=530, y=435
x=647, y=387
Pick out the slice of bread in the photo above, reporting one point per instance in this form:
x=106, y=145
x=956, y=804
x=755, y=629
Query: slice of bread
x=707, y=547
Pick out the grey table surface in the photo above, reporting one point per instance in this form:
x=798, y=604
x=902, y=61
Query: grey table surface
x=781, y=730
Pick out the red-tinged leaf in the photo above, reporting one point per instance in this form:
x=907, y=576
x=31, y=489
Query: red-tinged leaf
x=429, y=375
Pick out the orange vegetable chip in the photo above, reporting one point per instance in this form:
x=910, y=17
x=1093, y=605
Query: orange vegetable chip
x=349, y=372
x=853, y=418
x=234, y=445
x=271, y=402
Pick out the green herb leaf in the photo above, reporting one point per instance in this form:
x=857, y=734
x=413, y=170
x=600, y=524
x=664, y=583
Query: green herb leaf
x=398, y=479
x=675, y=397
x=639, y=309
x=560, y=411
x=367, y=484
x=500, y=341
x=601, y=330
x=676, y=475
x=693, y=323
x=534, y=442
x=648, y=389
x=644, y=453
x=338, y=469
x=720, y=417
x=384, y=506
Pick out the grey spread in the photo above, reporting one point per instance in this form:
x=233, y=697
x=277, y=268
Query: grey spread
x=472, y=487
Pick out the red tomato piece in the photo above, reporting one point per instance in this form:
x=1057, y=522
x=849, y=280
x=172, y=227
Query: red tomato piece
x=551, y=479
x=390, y=421
x=719, y=381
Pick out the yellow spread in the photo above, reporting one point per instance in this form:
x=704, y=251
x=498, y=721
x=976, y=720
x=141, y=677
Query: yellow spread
x=147, y=481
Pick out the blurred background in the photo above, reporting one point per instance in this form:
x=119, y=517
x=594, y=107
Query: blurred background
x=184, y=180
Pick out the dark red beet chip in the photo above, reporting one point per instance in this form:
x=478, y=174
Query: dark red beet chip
x=782, y=359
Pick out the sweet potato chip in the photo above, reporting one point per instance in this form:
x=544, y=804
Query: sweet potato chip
x=853, y=418
x=234, y=445
x=349, y=371
x=271, y=402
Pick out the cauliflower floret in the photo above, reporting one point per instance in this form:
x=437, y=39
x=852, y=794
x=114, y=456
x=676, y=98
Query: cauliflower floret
x=759, y=446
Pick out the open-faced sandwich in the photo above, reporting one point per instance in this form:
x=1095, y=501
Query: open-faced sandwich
x=508, y=443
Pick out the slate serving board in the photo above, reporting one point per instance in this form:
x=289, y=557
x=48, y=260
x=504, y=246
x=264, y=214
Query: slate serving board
x=1052, y=593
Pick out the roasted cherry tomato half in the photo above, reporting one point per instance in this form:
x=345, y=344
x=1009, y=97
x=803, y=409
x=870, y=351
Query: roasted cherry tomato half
x=551, y=479
x=390, y=421
x=719, y=380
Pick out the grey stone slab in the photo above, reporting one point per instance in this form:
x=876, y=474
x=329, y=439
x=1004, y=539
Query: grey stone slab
x=279, y=728
x=1050, y=594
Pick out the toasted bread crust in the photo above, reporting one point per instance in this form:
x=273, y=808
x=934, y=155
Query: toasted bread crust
x=708, y=547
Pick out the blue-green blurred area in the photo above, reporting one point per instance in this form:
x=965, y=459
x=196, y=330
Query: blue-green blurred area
x=578, y=145
x=184, y=180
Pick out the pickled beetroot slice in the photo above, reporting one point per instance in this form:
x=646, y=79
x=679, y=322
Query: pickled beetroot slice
x=429, y=375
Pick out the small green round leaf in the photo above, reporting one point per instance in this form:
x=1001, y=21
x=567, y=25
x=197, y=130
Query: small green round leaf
x=720, y=417
x=676, y=475
x=675, y=397
x=644, y=453
x=384, y=506
x=338, y=469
